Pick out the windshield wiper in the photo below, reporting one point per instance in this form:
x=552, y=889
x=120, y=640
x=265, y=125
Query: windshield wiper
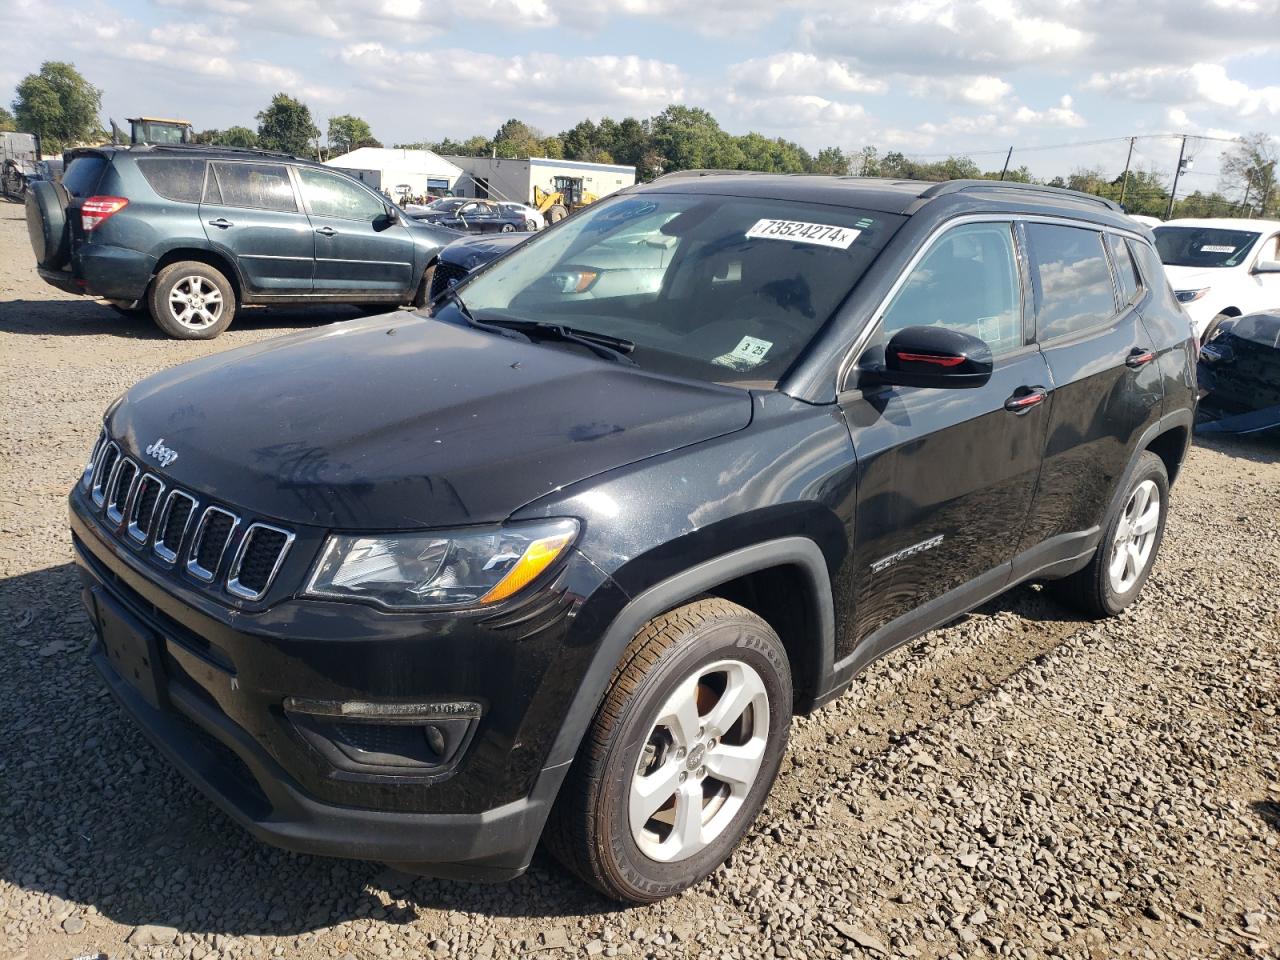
x=601, y=344
x=449, y=293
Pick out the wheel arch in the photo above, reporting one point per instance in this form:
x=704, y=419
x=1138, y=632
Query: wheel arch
x=220, y=262
x=759, y=574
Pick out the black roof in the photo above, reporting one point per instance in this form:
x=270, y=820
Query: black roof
x=904, y=197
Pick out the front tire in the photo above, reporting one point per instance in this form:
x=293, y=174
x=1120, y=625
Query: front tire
x=681, y=755
x=1213, y=326
x=1130, y=541
x=190, y=300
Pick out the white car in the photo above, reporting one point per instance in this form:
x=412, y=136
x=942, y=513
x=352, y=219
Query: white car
x=1146, y=221
x=1221, y=267
x=533, y=219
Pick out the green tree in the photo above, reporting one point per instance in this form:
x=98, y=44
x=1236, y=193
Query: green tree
x=689, y=138
x=347, y=133
x=237, y=137
x=515, y=138
x=831, y=160
x=1250, y=167
x=286, y=125
x=58, y=104
x=6, y=120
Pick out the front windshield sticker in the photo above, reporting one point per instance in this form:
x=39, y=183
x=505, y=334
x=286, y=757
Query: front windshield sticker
x=749, y=353
x=1216, y=248
x=823, y=234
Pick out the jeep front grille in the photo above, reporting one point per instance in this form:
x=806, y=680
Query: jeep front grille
x=183, y=531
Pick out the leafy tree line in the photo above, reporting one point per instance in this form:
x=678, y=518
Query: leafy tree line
x=63, y=107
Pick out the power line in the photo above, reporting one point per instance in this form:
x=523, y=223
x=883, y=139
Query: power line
x=1069, y=145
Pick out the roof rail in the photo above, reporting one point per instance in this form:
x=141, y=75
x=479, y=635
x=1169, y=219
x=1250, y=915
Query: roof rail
x=962, y=186
x=255, y=151
x=682, y=174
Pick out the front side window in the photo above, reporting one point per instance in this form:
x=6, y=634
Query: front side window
x=725, y=289
x=265, y=186
x=328, y=195
x=1207, y=247
x=1071, y=278
x=967, y=281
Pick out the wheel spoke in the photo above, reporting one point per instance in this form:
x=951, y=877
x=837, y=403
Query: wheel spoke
x=736, y=765
x=680, y=713
x=687, y=831
x=743, y=688
x=1147, y=521
x=650, y=792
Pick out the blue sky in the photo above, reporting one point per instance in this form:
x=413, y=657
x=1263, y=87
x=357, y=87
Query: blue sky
x=927, y=77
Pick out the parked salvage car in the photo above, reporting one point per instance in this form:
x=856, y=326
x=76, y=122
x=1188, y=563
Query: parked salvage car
x=1221, y=267
x=191, y=233
x=533, y=218
x=468, y=254
x=473, y=216
x=1239, y=376
x=430, y=587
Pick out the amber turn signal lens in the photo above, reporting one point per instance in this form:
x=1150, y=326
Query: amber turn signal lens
x=537, y=557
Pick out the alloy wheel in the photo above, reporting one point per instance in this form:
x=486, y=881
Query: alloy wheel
x=700, y=760
x=195, y=302
x=1135, y=537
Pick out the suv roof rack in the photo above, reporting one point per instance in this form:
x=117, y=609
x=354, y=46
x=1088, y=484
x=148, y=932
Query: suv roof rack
x=708, y=172
x=963, y=186
x=181, y=147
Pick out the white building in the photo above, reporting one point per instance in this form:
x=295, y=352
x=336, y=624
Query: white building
x=499, y=179
x=383, y=168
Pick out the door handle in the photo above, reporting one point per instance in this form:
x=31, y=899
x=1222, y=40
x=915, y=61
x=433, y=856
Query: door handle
x=1024, y=398
x=1138, y=358
x=326, y=231
x=222, y=222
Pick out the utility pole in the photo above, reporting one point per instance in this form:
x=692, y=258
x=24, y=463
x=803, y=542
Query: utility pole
x=1007, y=157
x=1173, y=192
x=1124, y=183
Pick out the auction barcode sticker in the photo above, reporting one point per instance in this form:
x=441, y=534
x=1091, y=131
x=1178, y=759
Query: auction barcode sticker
x=823, y=234
x=1217, y=248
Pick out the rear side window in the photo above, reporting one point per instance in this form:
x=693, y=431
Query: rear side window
x=82, y=175
x=175, y=178
x=1071, y=278
x=1126, y=270
x=265, y=186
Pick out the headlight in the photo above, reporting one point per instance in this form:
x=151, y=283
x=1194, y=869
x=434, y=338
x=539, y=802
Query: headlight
x=447, y=568
x=1190, y=296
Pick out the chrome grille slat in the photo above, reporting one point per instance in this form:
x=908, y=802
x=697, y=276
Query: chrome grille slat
x=120, y=487
x=140, y=526
x=107, y=460
x=252, y=590
x=86, y=477
x=166, y=551
x=206, y=568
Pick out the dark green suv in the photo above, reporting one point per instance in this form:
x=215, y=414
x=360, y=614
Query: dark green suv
x=192, y=233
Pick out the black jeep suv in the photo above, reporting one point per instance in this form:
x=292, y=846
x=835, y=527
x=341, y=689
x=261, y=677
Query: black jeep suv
x=192, y=233
x=562, y=556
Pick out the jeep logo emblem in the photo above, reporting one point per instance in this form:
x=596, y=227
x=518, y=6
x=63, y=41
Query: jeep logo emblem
x=163, y=455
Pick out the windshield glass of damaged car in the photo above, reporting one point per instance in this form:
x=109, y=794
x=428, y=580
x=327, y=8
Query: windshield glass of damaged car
x=726, y=289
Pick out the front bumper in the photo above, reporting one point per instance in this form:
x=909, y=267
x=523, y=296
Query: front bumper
x=222, y=678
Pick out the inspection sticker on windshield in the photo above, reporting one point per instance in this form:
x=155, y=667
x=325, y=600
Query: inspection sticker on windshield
x=823, y=234
x=749, y=353
x=1216, y=248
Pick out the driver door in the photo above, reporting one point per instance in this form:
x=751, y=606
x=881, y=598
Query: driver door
x=946, y=476
x=359, y=248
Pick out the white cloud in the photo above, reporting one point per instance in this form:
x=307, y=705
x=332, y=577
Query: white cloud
x=794, y=72
x=1063, y=115
x=544, y=85
x=1199, y=86
x=983, y=89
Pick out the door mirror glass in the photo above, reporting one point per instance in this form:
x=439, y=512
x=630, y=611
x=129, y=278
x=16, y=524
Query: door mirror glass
x=935, y=357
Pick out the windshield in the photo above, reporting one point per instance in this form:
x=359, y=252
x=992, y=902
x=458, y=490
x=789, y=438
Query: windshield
x=726, y=289
x=446, y=206
x=1202, y=246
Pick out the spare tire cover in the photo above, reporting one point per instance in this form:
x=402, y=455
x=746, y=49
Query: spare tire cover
x=47, y=224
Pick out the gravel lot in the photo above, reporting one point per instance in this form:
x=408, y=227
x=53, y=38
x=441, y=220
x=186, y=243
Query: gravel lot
x=1021, y=783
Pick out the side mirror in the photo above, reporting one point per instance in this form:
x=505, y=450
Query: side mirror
x=393, y=215
x=935, y=357
x=1267, y=266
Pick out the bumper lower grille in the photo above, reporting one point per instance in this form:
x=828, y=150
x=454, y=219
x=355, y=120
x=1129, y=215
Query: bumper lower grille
x=445, y=276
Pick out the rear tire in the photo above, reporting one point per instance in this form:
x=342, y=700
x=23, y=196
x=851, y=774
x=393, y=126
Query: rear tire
x=190, y=300
x=681, y=755
x=1130, y=542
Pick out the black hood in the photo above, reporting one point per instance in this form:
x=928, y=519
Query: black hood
x=473, y=252
x=407, y=422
